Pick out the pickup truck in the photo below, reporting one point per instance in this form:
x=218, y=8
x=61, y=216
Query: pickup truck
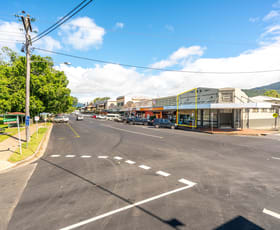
x=61, y=119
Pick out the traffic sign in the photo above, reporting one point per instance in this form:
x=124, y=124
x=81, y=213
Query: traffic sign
x=275, y=115
x=37, y=118
x=27, y=119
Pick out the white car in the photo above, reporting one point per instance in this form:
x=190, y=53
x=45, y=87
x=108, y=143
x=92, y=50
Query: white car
x=112, y=117
x=61, y=119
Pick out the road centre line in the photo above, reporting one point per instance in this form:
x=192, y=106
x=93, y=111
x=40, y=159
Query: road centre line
x=85, y=156
x=103, y=157
x=130, y=162
x=117, y=158
x=162, y=173
x=276, y=158
x=70, y=156
x=144, y=167
x=271, y=213
x=73, y=130
x=79, y=224
x=129, y=131
x=55, y=155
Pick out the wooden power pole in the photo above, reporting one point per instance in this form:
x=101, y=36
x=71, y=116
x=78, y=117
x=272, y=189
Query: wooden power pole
x=27, y=27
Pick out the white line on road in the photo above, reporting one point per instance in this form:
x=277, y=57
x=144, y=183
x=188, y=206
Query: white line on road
x=144, y=167
x=85, y=156
x=276, y=158
x=271, y=213
x=117, y=158
x=70, y=156
x=130, y=162
x=162, y=173
x=125, y=130
x=125, y=208
x=55, y=155
x=184, y=181
x=102, y=157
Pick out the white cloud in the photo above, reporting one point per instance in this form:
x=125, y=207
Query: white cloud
x=10, y=33
x=114, y=80
x=253, y=20
x=82, y=33
x=119, y=25
x=169, y=27
x=180, y=56
x=48, y=43
x=271, y=15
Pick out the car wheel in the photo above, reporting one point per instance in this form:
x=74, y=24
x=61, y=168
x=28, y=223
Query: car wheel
x=172, y=127
x=157, y=126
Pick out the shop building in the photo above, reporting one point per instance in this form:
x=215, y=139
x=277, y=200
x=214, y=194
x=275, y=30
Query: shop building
x=218, y=108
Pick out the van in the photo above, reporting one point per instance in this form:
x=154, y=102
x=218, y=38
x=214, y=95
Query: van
x=111, y=117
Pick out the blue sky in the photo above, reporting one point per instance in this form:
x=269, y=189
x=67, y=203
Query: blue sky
x=148, y=33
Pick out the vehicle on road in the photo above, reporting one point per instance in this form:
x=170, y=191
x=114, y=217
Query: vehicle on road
x=138, y=121
x=100, y=116
x=79, y=118
x=112, y=116
x=61, y=119
x=94, y=116
x=164, y=123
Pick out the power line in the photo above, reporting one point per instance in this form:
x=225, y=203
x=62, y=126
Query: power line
x=62, y=20
x=10, y=32
x=152, y=68
x=12, y=41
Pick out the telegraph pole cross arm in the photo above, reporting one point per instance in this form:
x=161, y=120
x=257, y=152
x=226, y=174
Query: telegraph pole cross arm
x=28, y=28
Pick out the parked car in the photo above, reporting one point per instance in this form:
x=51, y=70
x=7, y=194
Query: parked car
x=138, y=121
x=164, y=123
x=61, y=119
x=112, y=116
x=79, y=118
x=94, y=116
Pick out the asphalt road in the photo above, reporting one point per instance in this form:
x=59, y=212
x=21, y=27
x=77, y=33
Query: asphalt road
x=105, y=175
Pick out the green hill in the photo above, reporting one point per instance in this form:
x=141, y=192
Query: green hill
x=262, y=89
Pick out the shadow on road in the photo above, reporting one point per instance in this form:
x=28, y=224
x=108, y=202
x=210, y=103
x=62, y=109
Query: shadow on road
x=173, y=223
x=239, y=223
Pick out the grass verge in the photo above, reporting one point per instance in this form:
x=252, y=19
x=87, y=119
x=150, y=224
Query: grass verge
x=9, y=132
x=32, y=146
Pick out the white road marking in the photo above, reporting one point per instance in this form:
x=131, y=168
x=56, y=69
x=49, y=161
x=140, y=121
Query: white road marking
x=55, y=155
x=102, y=157
x=271, y=213
x=70, y=156
x=276, y=158
x=117, y=158
x=79, y=224
x=130, y=162
x=184, y=181
x=85, y=156
x=144, y=167
x=129, y=131
x=162, y=173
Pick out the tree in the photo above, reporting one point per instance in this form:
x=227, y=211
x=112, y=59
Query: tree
x=272, y=93
x=49, y=92
x=100, y=99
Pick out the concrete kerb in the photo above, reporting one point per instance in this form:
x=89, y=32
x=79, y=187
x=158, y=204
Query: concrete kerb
x=35, y=156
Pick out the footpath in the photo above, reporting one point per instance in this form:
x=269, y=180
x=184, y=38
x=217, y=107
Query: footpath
x=11, y=145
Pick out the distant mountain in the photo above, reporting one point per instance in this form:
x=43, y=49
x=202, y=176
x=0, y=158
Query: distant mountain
x=79, y=105
x=262, y=89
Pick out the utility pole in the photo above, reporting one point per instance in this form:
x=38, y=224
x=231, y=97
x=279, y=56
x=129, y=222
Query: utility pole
x=27, y=27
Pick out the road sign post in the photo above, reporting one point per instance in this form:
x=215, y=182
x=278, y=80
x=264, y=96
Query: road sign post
x=19, y=138
x=37, y=119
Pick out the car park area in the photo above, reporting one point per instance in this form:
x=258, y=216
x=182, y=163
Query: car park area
x=118, y=176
